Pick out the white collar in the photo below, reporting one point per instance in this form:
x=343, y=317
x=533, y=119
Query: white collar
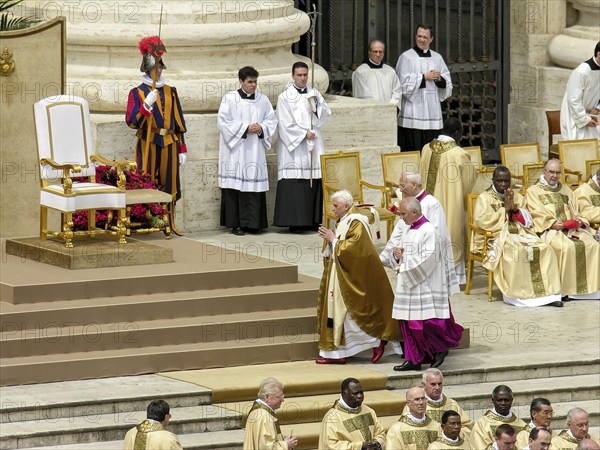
x=496, y=191
x=441, y=396
x=264, y=403
x=510, y=414
x=450, y=439
x=444, y=138
x=148, y=81
x=545, y=183
x=423, y=419
x=345, y=405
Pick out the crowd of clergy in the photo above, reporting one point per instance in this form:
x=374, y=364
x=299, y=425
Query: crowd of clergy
x=429, y=420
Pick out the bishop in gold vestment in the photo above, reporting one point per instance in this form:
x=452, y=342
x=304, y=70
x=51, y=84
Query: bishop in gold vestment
x=152, y=433
x=587, y=199
x=449, y=176
x=558, y=223
x=525, y=268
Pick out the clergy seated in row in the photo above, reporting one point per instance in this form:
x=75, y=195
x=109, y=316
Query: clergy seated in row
x=449, y=176
x=262, y=426
x=437, y=404
x=484, y=430
x=587, y=200
x=559, y=224
x=505, y=438
x=451, y=436
x=541, y=413
x=525, y=268
x=578, y=426
x=539, y=438
x=350, y=424
x=414, y=429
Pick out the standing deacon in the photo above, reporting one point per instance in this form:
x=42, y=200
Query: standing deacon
x=414, y=429
x=152, y=434
x=374, y=80
x=247, y=124
x=354, y=311
x=160, y=109
x=556, y=220
x=525, y=268
x=262, y=426
x=581, y=103
x=422, y=295
x=449, y=176
x=349, y=424
x=426, y=82
x=302, y=112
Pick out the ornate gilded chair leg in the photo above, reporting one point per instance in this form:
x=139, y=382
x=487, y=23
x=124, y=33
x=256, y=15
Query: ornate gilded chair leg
x=67, y=229
x=122, y=226
x=469, y=274
x=172, y=219
x=43, y=223
x=165, y=217
x=490, y=281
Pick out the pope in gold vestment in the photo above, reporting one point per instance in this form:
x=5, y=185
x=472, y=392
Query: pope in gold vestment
x=449, y=176
x=150, y=435
x=565, y=441
x=577, y=252
x=262, y=429
x=587, y=200
x=354, y=284
x=409, y=434
x=343, y=428
x=525, y=268
x=484, y=429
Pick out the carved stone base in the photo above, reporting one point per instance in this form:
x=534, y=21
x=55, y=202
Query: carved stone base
x=88, y=252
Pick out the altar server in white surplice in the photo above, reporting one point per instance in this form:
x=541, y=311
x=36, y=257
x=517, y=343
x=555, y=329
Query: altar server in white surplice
x=247, y=123
x=302, y=112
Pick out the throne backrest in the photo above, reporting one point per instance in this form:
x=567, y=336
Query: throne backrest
x=63, y=131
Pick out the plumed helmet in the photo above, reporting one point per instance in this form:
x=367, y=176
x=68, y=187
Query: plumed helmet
x=151, y=48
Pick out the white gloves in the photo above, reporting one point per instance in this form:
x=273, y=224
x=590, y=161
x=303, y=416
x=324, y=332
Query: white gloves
x=182, y=158
x=150, y=99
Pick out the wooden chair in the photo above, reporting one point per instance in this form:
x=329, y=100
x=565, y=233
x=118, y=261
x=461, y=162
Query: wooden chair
x=342, y=171
x=591, y=167
x=474, y=255
x=553, y=118
x=531, y=174
x=65, y=149
x=573, y=155
x=393, y=166
x=514, y=156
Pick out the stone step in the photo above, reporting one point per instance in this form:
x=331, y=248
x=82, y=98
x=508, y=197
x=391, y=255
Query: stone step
x=181, y=330
x=136, y=361
x=111, y=427
x=50, y=401
x=17, y=319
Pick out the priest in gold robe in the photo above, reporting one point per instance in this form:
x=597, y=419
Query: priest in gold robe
x=438, y=403
x=152, y=433
x=262, y=426
x=578, y=426
x=483, y=433
x=541, y=417
x=349, y=424
x=414, y=430
x=449, y=176
x=556, y=220
x=354, y=311
x=450, y=438
x=525, y=268
x=587, y=200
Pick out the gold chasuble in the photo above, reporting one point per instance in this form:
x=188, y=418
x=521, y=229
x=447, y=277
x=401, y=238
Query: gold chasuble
x=408, y=434
x=577, y=252
x=524, y=267
x=484, y=429
x=564, y=441
x=444, y=444
x=150, y=435
x=262, y=429
x=587, y=201
x=347, y=429
x=354, y=282
x=436, y=410
x=523, y=435
x=449, y=176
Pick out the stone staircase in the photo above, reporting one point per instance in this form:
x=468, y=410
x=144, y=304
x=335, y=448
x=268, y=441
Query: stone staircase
x=105, y=322
x=95, y=414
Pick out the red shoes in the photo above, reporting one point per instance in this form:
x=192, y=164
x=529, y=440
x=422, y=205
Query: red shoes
x=330, y=360
x=378, y=352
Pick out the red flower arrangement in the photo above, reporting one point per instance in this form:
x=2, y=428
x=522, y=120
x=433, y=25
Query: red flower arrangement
x=147, y=214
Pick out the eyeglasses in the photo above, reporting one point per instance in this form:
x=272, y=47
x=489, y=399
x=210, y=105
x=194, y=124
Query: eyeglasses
x=552, y=172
